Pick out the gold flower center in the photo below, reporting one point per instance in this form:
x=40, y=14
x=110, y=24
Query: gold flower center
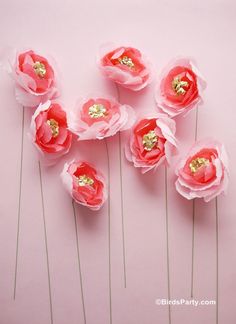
x=83, y=180
x=97, y=111
x=178, y=86
x=197, y=163
x=149, y=140
x=54, y=126
x=125, y=60
x=39, y=69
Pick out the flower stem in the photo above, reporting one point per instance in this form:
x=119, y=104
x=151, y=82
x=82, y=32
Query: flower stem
x=79, y=263
x=109, y=226
x=167, y=244
x=46, y=242
x=122, y=210
x=19, y=200
x=193, y=216
x=122, y=198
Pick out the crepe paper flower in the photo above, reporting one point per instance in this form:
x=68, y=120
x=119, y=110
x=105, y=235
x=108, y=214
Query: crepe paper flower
x=85, y=184
x=99, y=117
x=152, y=142
x=204, y=172
x=180, y=87
x=126, y=66
x=34, y=76
x=49, y=131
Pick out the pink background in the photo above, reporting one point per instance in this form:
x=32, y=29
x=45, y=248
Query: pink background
x=72, y=32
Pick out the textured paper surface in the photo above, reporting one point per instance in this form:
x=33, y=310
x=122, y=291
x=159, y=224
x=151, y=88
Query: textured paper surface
x=72, y=32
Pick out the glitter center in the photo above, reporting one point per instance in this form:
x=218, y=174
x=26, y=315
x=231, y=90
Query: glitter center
x=197, y=163
x=178, y=86
x=39, y=69
x=125, y=60
x=149, y=140
x=54, y=126
x=97, y=111
x=83, y=180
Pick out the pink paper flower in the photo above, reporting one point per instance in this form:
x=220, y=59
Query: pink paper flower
x=126, y=66
x=204, y=172
x=152, y=142
x=180, y=88
x=99, y=117
x=34, y=77
x=49, y=131
x=85, y=184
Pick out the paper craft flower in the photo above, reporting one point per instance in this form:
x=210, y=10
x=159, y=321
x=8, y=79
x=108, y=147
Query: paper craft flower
x=85, y=184
x=126, y=66
x=204, y=172
x=49, y=131
x=152, y=142
x=35, y=79
x=180, y=87
x=98, y=117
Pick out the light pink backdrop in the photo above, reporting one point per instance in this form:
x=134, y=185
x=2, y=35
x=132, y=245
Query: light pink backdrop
x=72, y=32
